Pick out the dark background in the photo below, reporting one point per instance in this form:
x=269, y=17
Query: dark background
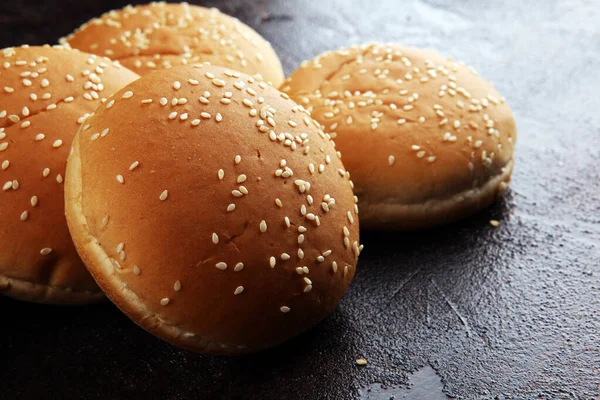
x=508, y=312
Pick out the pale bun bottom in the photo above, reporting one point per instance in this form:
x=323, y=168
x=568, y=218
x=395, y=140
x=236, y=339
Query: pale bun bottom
x=394, y=216
x=45, y=294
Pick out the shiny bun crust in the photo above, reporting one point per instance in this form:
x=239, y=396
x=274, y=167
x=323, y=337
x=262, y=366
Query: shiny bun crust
x=214, y=213
x=160, y=35
x=426, y=139
x=45, y=94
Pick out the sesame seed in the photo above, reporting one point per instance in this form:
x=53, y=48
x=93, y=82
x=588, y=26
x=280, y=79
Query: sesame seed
x=219, y=117
x=5, y=164
x=221, y=265
x=205, y=115
x=120, y=179
x=237, y=159
x=24, y=216
x=120, y=247
x=44, y=83
x=215, y=238
x=307, y=288
x=95, y=136
x=279, y=203
x=195, y=122
x=284, y=309
x=26, y=124
x=177, y=286
x=136, y=270
x=173, y=115
x=421, y=154
x=230, y=207
x=177, y=85
x=300, y=254
x=263, y=226
x=127, y=94
x=104, y=221
x=164, y=301
x=494, y=223
x=163, y=101
x=104, y=132
x=350, y=217
x=110, y=104
x=272, y=262
x=238, y=290
x=241, y=178
x=287, y=222
x=134, y=165
x=45, y=251
x=59, y=178
x=163, y=195
x=46, y=172
x=238, y=267
x=361, y=361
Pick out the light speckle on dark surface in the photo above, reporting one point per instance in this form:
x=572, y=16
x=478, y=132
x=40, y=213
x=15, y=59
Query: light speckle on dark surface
x=507, y=312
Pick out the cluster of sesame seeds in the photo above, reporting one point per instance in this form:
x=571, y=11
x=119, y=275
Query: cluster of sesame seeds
x=236, y=178
x=39, y=84
x=402, y=80
x=227, y=39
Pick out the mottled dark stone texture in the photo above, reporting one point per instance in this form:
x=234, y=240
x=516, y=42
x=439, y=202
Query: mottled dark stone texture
x=512, y=312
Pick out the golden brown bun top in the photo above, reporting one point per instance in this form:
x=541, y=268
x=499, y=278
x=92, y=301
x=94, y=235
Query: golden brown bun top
x=213, y=183
x=161, y=35
x=45, y=92
x=412, y=125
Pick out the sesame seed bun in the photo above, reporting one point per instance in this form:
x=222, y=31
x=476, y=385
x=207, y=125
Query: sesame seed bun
x=45, y=92
x=160, y=35
x=226, y=222
x=427, y=140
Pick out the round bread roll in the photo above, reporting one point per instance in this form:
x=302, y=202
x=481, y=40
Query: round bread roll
x=225, y=222
x=426, y=139
x=45, y=93
x=160, y=35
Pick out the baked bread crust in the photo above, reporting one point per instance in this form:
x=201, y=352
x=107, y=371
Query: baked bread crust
x=225, y=223
x=426, y=139
x=45, y=94
x=161, y=35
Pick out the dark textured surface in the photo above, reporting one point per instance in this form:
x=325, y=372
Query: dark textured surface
x=512, y=312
